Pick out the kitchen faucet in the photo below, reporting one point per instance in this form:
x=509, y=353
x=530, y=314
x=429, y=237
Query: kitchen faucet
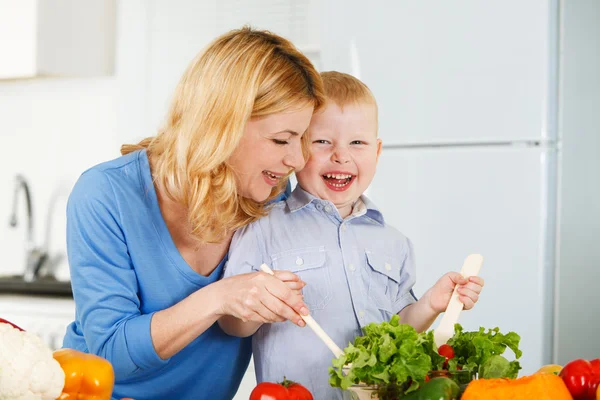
x=34, y=256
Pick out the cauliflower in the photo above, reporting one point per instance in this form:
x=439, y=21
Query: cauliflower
x=27, y=369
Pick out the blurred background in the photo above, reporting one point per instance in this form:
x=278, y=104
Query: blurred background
x=489, y=115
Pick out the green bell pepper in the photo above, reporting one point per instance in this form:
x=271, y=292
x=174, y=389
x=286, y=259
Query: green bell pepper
x=436, y=389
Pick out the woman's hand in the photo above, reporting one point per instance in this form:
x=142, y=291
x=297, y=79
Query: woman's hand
x=260, y=297
x=468, y=290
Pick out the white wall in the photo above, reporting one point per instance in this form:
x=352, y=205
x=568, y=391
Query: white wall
x=53, y=129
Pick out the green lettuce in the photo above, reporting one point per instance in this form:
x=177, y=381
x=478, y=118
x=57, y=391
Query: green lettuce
x=481, y=352
x=387, y=353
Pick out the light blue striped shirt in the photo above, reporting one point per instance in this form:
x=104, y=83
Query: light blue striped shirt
x=358, y=270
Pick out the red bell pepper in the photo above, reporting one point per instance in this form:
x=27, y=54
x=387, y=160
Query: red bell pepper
x=582, y=378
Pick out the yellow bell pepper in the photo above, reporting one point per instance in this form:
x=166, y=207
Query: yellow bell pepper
x=87, y=376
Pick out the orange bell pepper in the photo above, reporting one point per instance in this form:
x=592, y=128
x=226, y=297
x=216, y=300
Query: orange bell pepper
x=87, y=376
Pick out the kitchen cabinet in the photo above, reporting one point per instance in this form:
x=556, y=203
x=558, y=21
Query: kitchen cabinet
x=66, y=38
x=47, y=317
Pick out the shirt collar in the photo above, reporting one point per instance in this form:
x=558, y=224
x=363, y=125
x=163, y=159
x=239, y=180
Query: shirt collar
x=301, y=198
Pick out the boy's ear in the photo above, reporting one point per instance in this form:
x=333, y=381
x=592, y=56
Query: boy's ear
x=379, y=144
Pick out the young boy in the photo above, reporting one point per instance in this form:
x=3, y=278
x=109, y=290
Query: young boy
x=357, y=268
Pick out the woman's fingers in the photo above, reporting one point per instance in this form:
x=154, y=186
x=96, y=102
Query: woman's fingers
x=281, y=310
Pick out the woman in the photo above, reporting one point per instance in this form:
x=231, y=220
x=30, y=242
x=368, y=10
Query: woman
x=148, y=233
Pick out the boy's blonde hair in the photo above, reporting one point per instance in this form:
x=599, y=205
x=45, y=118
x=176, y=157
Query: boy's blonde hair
x=242, y=74
x=343, y=89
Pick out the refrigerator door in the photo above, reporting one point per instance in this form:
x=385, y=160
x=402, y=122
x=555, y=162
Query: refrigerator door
x=452, y=202
x=450, y=72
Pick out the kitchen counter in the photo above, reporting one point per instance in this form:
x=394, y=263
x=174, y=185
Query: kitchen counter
x=44, y=286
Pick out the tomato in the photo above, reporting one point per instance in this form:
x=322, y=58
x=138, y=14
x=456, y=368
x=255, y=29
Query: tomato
x=447, y=351
x=286, y=390
x=2, y=320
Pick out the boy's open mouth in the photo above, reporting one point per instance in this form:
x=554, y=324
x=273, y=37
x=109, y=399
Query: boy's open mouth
x=338, y=182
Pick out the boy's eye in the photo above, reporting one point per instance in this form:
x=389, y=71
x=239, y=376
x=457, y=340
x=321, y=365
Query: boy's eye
x=281, y=142
x=357, y=142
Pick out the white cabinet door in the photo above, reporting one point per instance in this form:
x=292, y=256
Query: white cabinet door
x=450, y=72
x=57, y=38
x=494, y=201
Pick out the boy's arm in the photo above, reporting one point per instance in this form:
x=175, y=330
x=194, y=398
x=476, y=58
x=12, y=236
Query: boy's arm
x=419, y=315
x=245, y=256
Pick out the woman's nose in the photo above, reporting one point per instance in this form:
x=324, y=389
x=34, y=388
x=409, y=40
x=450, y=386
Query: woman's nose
x=295, y=159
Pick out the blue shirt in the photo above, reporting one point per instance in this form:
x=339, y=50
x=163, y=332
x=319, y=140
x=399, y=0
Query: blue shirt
x=124, y=267
x=358, y=270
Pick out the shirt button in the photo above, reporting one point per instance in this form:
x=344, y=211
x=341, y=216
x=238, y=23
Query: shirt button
x=343, y=228
x=388, y=266
x=327, y=209
x=299, y=261
x=361, y=313
x=351, y=266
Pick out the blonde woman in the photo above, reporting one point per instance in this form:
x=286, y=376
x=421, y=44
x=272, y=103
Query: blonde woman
x=148, y=233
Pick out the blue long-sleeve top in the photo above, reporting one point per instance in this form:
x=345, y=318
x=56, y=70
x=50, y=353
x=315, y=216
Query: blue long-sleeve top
x=124, y=267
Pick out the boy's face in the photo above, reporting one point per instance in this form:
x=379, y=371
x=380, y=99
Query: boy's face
x=344, y=154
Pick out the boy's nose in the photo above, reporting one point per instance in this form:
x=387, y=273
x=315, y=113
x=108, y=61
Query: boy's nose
x=340, y=156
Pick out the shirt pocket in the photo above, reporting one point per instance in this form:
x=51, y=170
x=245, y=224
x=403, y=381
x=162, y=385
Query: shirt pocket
x=383, y=279
x=309, y=264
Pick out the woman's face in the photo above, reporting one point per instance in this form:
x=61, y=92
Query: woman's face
x=269, y=149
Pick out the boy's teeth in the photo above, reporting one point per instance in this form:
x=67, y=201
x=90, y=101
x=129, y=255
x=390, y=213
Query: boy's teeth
x=338, y=176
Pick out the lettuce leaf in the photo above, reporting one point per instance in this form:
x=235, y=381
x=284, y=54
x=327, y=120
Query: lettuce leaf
x=387, y=353
x=472, y=350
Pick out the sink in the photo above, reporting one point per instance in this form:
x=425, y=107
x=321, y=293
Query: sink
x=48, y=286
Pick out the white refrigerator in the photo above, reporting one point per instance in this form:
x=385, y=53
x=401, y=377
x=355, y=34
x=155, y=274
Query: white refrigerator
x=467, y=114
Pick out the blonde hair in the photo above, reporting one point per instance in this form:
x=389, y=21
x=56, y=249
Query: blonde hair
x=242, y=74
x=343, y=89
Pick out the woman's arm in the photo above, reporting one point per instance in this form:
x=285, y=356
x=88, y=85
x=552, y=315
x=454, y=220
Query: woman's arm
x=240, y=303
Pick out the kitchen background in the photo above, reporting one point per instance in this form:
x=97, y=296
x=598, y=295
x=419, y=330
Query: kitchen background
x=489, y=117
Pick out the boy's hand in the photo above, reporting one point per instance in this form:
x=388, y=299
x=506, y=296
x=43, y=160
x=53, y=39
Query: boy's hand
x=468, y=290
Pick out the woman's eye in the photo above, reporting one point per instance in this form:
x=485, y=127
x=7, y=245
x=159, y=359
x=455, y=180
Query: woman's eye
x=320, y=141
x=281, y=142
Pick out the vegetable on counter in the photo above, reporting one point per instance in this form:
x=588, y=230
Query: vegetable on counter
x=550, y=369
x=536, y=386
x=3, y=321
x=436, y=389
x=87, y=376
x=27, y=369
x=582, y=378
x=286, y=390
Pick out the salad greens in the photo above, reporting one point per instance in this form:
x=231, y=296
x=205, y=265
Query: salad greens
x=394, y=355
x=388, y=353
x=481, y=351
